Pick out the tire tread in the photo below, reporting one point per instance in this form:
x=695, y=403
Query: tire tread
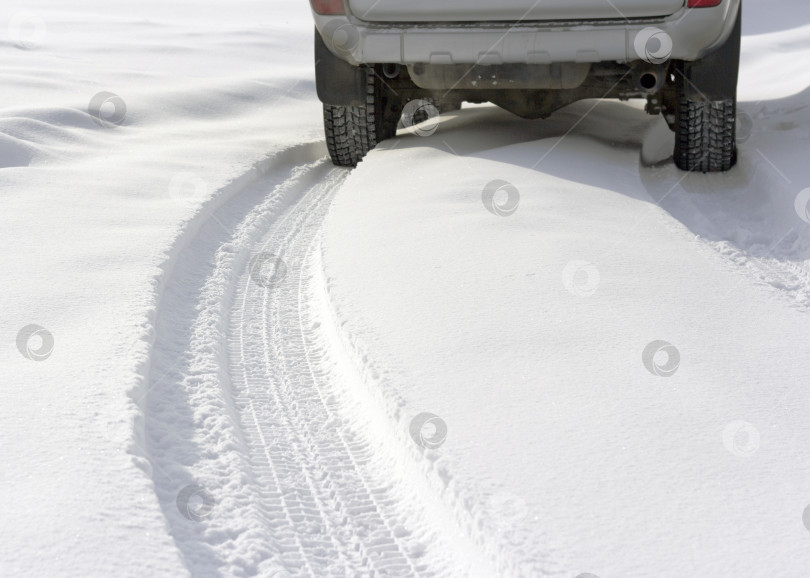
x=706, y=139
x=351, y=131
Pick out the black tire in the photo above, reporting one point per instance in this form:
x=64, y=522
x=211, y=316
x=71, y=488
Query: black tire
x=706, y=109
x=705, y=136
x=352, y=131
x=339, y=140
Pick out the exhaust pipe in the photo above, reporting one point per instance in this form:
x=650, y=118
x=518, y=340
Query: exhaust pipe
x=650, y=79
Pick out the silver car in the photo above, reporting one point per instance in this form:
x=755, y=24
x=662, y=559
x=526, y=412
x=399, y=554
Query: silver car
x=379, y=61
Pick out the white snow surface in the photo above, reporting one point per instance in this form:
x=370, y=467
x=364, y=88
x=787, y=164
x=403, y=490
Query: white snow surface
x=287, y=406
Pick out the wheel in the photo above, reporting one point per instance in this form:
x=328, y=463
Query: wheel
x=339, y=135
x=706, y=109
x=352, y=131
x=704, y=135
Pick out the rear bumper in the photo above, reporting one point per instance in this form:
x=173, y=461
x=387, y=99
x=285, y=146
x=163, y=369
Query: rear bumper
x=692, y=32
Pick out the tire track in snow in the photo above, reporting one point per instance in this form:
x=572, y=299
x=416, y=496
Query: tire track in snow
x=192, y=430
x=246, y=400
x=324, y=490
x=790, y=279
x=745, y=218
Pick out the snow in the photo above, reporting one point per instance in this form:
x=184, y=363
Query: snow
x=538, y=373
x=287, y=409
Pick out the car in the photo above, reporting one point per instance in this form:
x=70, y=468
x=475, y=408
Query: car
x=378, y=59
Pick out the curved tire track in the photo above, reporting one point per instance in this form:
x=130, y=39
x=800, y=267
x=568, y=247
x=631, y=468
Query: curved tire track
x=249, y=400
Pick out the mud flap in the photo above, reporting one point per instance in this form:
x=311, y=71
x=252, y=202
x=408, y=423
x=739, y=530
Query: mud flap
x=338, y=82
x=714, y=77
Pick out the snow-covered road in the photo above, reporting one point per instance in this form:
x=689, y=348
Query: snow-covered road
x=507, y=348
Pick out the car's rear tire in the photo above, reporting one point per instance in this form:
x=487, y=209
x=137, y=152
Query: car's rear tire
x=352, y=131
x=706, y=109
x=705, y=135
x=339, y=134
